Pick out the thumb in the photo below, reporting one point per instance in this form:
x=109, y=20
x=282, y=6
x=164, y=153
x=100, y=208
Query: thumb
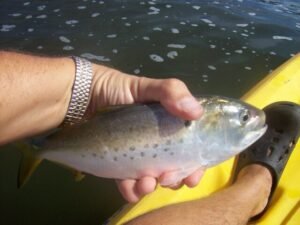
x=173, y=94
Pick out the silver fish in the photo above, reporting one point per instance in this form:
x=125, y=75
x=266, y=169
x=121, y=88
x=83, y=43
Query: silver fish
x=145, y=140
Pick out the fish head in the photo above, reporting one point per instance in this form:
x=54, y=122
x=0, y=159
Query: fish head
x=232, y=125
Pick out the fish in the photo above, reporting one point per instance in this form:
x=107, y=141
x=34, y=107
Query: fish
x=133, y=141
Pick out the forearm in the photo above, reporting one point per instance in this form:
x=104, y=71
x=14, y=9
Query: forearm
x=34, y=93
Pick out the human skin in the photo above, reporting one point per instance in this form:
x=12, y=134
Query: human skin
x=234, y=205
x=35, y=93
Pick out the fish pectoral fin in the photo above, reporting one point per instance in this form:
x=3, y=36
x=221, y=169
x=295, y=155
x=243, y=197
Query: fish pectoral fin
x=29, y=163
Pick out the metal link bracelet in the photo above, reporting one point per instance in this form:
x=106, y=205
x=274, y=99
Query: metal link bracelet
x=80, y=91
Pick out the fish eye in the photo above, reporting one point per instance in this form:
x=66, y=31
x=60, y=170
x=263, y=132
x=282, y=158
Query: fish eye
x=244, y=116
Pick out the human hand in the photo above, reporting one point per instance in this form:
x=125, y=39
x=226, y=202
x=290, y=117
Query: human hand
x=111, y=87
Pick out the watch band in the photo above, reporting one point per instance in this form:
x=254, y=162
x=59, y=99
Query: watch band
x=80, y=91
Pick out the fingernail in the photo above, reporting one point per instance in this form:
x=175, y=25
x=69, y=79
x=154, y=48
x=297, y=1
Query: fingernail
x=190, y=105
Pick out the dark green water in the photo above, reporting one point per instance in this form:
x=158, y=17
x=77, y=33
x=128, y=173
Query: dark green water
x=216, y=47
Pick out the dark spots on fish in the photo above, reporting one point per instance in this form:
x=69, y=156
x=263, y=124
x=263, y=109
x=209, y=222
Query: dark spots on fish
x=166, y=149
x=131, y=157
x=132, y=148
x=181, y=140
x=82, y=155
x=146, y=146
x=94, y=155
x=115, y=158
x=171, y=153
x=168, y=142
x=105, y=152
x=187, y=123
x=155, y=145
x=116, y=149
x=154, y=156
x=101, y=156
x=142, y=154
x=130, y=129
x=125, y=155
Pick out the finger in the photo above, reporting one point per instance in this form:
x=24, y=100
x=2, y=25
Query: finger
x=146, y=185
x=194, y=179
x=128, y=190
x=173, y=94
x=176, y=186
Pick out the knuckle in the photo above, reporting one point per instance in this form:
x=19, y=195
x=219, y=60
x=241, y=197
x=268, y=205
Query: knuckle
x=172, y=84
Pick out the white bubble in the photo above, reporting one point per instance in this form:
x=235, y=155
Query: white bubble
x=211, y=67
x=156, y=58
x=95, y=15
x=157, y=29
x=239, y=51
x=137, y=71
x=97, y=57
x=181, y=46
x=71, y=22
x=68, y=48
x=42, y=16
x=7, y=28
x=64, y=39
x=212, y=46
x=154, y=10
x=146, y=38
x=16, y=14
x=115, y=51
x=206, y=21
x=172, y=54
x=248, y=68
x=168, y=6
x=242, y=25
x=282, y=38
x=175, y=31
x=252, y=14
x=111, y=35
x=196, y=7
x=30, y=29
x=41, y=7
x=81, y=7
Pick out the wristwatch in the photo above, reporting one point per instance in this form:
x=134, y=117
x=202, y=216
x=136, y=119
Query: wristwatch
x=80, y=91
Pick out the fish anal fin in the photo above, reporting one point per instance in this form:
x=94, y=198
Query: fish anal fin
x=29, y=163
x=78, y=175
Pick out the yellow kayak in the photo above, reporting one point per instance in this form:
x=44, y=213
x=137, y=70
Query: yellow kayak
x=283, y=84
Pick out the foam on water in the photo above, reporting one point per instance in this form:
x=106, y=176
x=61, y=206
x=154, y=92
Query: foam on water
x=156, y=58
x=64, y=39
x=181, y=46
x=7, y=27
x=97, y=57
x=276, y=37
x=172, y=54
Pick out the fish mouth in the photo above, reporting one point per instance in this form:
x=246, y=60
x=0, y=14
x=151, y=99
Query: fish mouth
x=253, y=136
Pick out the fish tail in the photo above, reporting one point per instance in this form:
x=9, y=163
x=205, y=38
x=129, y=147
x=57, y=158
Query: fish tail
x=29, y=162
